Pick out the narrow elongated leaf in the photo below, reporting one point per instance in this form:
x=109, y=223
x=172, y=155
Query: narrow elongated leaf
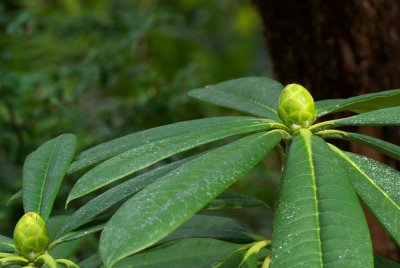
x=15, y=197
x=43, y=172
x=192, y=252
x=360, y=104
x=111, y=148
x=235, y=200
x=233, y=259
x=115, y=195
x=151, y=152
x=222, y=228
x=381, y=262
x=163, y=206
x=318, y=222
x=255, y=95
x=382, y=117
x=378, y=186
x=385, y=147
x=76, y=235
x=6, y=244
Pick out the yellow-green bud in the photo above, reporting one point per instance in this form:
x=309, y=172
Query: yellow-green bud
x=296, y=107
x=31, y=237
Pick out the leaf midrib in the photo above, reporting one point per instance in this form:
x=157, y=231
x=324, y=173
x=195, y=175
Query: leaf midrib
x=341, y=154
x=46, y=176
x=307, y=142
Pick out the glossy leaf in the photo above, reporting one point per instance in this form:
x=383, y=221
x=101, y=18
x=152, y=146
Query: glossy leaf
x=255, y=95
x=378, y=186
x=153, y=151
x=385, y=147
x=104, y=151
x=6, y=244
x=146, y=218
x=43, y=172
x=221, y=228
x=114, y=196
x=193, y=253
x=235, y=200
x=382, y=117
x=318, y=222
x=360, y=104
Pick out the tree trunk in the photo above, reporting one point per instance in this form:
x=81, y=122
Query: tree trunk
x=338, y=49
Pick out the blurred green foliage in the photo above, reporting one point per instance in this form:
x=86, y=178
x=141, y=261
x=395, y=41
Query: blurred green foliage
x=101, y=69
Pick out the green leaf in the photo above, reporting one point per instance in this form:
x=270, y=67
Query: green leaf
x=255, y=95
x=233, y=259
x=378, y=185
x=250, y=259
x=319, y=221
x=46, y=261
x=360, y=104
x=104, y=151
x=385, y=147
x=235, y=200
x=6, y=244
x=43, y=173
x=163, y=206
x=76, y=235
x=381, y=262
x=15, y=197
x=221, y=228
x=67, y=263
x=192, y=252
x=382, y=117
x=66, y=249
x=93, y=261
x=156, y=149
x=115, y=195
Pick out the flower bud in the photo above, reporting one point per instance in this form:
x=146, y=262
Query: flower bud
x=31, y=236
x=296, y=107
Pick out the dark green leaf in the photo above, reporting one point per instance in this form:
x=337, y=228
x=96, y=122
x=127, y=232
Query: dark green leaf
x=76, y=235
x=6, y=244
x=43, y=172
x=378, y=186
x=112, y=148
x=233, y=259
x=235, y=200
x=115, y=195
x=385, y=147
x=93, y=261
x=255, y=95
x=163, y=206
x=192, y=252
x=382, y=117
x=202, y=226
x=360, y=104
x=150, y=152
x=15, y=197
x=381, y=262
x=66, y=249
x=319, y=221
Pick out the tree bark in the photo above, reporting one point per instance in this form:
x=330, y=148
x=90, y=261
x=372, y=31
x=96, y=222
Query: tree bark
x=338, y=49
